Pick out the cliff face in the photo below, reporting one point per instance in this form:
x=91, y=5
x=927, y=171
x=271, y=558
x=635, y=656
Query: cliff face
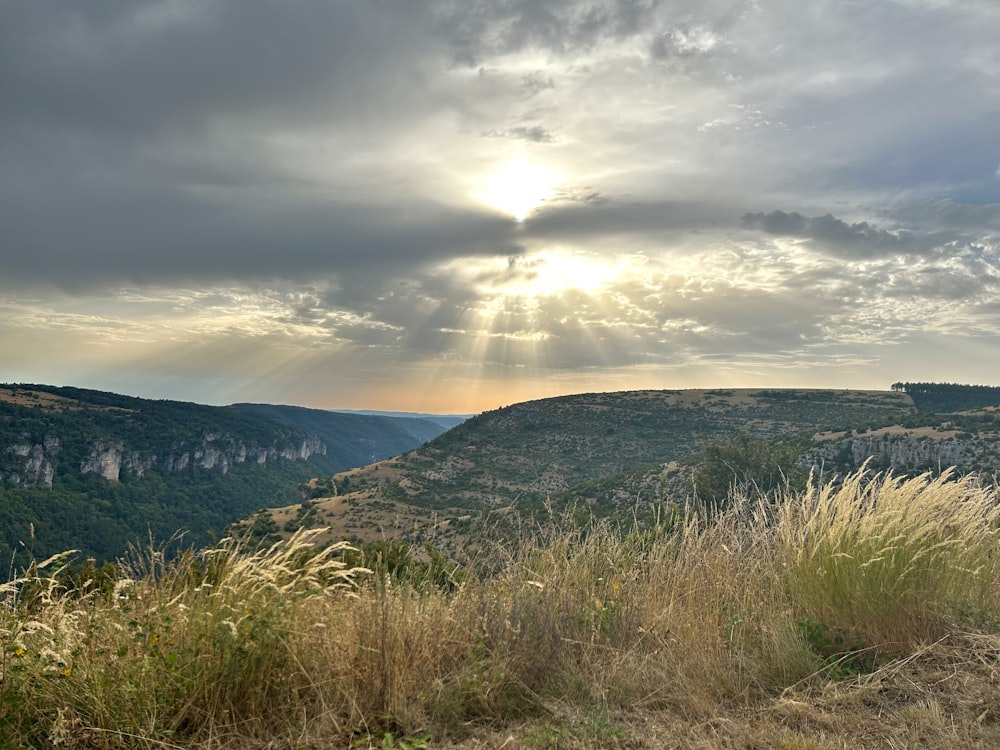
x=109, y=458
x=910, y=450
x=34, y=464
x=214, y=452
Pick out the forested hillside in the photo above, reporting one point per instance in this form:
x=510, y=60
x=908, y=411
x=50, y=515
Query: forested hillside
x=89, y=470
x=946, y=398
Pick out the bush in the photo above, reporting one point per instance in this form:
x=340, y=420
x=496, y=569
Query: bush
x=741, y=465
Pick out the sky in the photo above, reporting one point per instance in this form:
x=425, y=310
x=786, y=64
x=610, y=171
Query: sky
x=453, y=205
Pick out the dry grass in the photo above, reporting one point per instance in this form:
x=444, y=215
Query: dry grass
x=729, y=632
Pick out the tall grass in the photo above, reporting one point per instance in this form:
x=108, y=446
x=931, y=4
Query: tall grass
x=191, y=647
x=893, y=562
x=287, y=647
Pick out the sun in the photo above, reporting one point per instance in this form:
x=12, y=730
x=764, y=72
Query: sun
x=517, y=188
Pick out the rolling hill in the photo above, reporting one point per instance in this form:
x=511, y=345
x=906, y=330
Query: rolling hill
x=605, y=448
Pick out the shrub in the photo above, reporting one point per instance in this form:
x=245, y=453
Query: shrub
x=891, y=561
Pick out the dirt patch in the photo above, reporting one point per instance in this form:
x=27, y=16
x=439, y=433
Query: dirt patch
x=30, y=397
x=50, y=401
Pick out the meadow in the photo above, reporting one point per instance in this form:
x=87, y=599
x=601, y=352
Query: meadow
x=862, y=614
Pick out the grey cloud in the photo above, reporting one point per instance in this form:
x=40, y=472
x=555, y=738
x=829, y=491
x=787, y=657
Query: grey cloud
x=683, y=42
x=593, y=215
x=943, y=284
x=627, y=324
x=323, y=150
x=146, y=66
x=139, y=233
x=535, y=134
x=858, y=240
x=535, y=83
x=480, y=28
x=964, y=218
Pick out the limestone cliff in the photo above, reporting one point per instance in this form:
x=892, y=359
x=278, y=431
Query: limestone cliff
x=908, y=450
x=34, y=463
x=110, y=459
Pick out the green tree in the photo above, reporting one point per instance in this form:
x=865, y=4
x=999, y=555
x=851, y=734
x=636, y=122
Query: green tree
x=742, y=464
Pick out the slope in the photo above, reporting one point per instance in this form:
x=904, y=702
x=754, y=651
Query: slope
x=526, y=453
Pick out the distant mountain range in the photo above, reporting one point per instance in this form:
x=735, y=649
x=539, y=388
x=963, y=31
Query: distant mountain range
x=93, y=470
x=446, y=421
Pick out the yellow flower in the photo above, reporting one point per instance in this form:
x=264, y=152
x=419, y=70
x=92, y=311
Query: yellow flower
x=18, y=651
x=66, y=671
x=154, y=640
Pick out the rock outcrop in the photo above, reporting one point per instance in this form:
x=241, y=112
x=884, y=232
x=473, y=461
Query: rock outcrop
x=214, y=452
x=109, y=459
x=905, y=451
x=33, y=463
x=37, y=464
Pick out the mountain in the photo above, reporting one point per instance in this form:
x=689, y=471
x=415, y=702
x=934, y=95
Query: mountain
x=95, y=471
x=620, y=446
x=447, y=421
x=352, y=438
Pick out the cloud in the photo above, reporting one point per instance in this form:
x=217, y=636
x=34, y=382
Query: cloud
x=535, y=134
x=859, y=240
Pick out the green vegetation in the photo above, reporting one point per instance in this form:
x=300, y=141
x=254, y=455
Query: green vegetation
x=528, y=452
x=101, y=518
x=862, y=614
x=740, y=465
x=944, y=398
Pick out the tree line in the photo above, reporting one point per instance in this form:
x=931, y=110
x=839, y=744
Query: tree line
x=945, y=398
